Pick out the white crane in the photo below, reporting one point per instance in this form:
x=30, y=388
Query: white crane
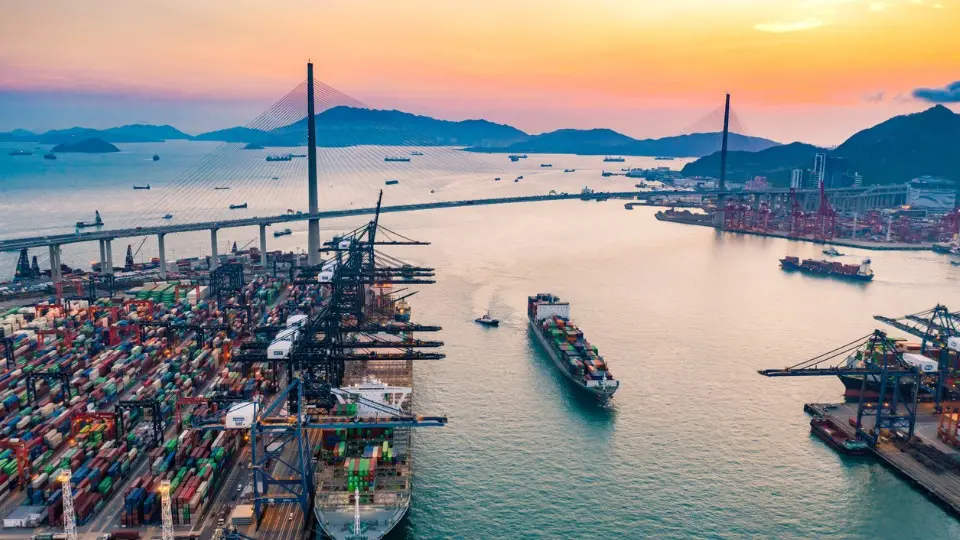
x=69, y=517
x=167, y=511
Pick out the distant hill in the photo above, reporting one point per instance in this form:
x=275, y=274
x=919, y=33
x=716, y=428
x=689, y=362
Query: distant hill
x=133, y=133
x=606, y=141
x=776, y=163
x=894, y=151
x=86, y=146
x=350, y=126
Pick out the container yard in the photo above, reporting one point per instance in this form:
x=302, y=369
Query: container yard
x=99, y=393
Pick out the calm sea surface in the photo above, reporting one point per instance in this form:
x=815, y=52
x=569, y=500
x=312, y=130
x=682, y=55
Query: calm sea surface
x=697, y=445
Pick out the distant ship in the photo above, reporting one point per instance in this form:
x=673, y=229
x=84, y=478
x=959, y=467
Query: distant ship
x=284, y=232
x=156, y=157
x=284, y=157
x=487, y=320
x=517, y=179
x=221, y=187
x=569, y=170
x=399, y=159
x=416, y=153
x=298, y=155
x=253, y=146
x=51, y=155
x=238, y=206
x=276, y=177
x=392, y=182
x=664, y=158
x=863, y=272
x=497, y=179
x=97, y=222
x=141, y=187
x=606, y=174
x=19, y=153
x=611, y=159
x=832, y=251
x=546, y=164
x=168, y=216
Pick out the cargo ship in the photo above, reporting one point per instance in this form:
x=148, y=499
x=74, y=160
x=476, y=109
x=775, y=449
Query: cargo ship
x=284, y=157
x=825, y=428
x=578, y=360
x=863, y=272
x=612, y=159
x=399, y=159
x=365, y=480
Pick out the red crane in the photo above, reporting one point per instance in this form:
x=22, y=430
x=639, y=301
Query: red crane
x=826, y=217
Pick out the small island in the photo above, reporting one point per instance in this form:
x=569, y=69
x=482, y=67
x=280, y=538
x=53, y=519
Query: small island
x=86, y=146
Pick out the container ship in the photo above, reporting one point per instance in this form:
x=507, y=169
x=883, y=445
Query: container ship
x=578, y=360
x=366, y=476
x=863, y=272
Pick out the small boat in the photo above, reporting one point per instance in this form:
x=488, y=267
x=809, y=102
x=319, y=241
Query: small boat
x=156, y=157
x=51, y=155
x=284, y=157
x=398, y=159
x=19, y=153
x=569, y=170
x=416, y=153
x=487, y=320
x=168, y=216
x=284, y=232
x=97, y=222
x=826, y=429
x=221, y=187
x=298, y=155
x=276, y=177
x=831, y=251
x=515, y=157
x=497, y=179
x=664, y=158
x=392, y=182
x=238, y=206
x=253, y=146
x=517, y=179
x=606, y=174
x=955, y=263
x=147, y=186
x=612, y=159
x=546, y=164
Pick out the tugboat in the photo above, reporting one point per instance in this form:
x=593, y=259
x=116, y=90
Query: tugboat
x=284, y=232
x=141, y=187
x=238, y=206
x=51, y=156
x=487, y=320
x=832, y=252
x=156, y=157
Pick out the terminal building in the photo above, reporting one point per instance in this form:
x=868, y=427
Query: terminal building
x=932, y=193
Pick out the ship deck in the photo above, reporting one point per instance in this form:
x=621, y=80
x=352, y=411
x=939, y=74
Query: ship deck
x=382, y=508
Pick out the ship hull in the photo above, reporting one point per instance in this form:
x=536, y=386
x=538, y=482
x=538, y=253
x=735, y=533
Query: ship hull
x=602, y=393
x=854, y=385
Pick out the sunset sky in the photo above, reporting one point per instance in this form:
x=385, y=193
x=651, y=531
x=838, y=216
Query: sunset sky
x=812, y=70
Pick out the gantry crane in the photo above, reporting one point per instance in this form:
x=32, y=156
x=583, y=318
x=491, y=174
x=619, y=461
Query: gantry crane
x=873, y=358
x=934, y=327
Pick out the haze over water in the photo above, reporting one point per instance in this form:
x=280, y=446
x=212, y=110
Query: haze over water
x=697, y=444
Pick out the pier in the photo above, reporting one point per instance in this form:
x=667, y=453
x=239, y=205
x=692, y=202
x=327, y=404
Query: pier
x=902, y=457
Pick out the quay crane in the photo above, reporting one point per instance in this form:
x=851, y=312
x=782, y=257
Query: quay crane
x=934, y=327
x=879, y=362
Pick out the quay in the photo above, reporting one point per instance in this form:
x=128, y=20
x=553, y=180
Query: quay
x=920, y=461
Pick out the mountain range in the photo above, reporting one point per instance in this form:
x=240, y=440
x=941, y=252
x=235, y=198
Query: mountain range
x=894, y=151
x=133, y=133
x=609, y=142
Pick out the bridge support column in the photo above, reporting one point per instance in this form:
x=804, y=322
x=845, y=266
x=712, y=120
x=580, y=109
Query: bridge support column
x=163, y=255
x=313, y=225
x=103, y=256
x=108, y=243
x=214, y=256
x=263, y=246
x=55, y=274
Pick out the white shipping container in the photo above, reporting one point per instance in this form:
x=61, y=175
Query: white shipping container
x=953, y=343
x=925, y=364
